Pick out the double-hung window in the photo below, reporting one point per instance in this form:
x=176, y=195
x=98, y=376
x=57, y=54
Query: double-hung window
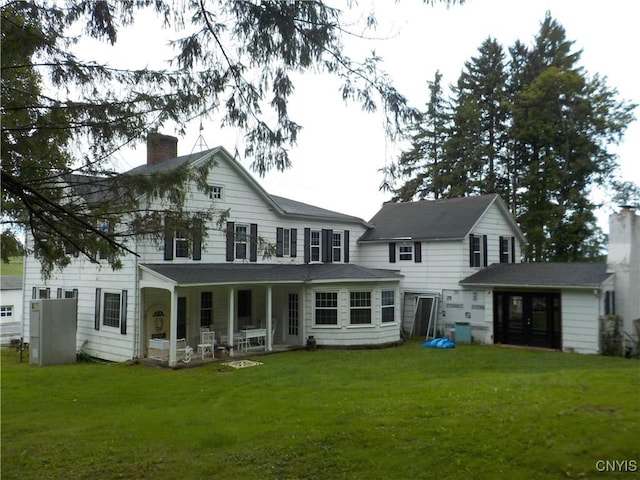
x=326, y=308
x=181, y=243
x=315, y=245
x=336, y=246
x=241, y=241
x=111, y=309
x=360, y=311
x=206, y=309
x=388, y=306
x=405, y=252
x=478, y=254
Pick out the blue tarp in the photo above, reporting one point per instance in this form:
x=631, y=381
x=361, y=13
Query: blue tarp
x=439, y=343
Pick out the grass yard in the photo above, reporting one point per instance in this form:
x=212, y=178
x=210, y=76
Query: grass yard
x=473, y=412
x=13, y=267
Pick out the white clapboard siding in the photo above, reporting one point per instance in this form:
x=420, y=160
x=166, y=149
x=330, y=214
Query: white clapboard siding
x=580, y=322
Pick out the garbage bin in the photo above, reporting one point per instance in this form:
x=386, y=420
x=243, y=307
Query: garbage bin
x=463, y=332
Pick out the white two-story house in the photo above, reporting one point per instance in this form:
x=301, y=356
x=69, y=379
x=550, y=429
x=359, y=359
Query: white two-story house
x=313, y=285
x=434, y=268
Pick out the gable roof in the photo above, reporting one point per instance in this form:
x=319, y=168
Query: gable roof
x=281, y=205
x=539, y=275
x=247, y=273
x=445, y=219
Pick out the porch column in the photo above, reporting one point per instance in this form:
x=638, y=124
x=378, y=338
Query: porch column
x=269, y=320
x=232, y=303
x=173, y=328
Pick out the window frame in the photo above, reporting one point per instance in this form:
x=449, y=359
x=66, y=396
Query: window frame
x=111, y=322
x=6, y=311
x=336, y=248
x=180, y=245
x=477, y=251
x=321, y=296
x=206, y=308
x=360, y=302
x=216, y=192
x=385, y=307
x=407, y=255
x=315, y=249
x=241, y=241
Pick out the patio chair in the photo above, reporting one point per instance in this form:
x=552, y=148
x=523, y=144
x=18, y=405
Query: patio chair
x=207, y=343
x=183, y=349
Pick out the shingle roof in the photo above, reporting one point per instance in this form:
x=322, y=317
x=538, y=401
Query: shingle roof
x=445, y=219
x=226, y=273
x=293, y=207
x=11, y=282
x=92, y=188
x=580, y=275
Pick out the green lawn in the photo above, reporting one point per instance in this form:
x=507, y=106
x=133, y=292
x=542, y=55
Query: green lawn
x=14, y=267
x=473, y=412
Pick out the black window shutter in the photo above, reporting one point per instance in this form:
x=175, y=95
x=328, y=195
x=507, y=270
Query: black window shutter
x=96, y=320
x=417, y=252
x=392, y=253
x=613, y=302
x=513, y=249
x=471, y=262
x=294, y=242
x=327, y=245
x=253, y=242
x=123, y=313
x=346, y=246
x=307, y=245
x=503, y=258
x=279, y=242
x=231, y=233
x=34, y=293
x=197, y=239
x=485, y=251
x=168, y=239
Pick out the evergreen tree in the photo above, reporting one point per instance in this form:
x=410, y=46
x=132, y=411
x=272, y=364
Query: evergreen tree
x=564, y=120
x=423, y=164
x=236, y=59
x=477, y=147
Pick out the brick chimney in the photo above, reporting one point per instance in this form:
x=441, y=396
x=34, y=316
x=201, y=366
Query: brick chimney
x=161, y=147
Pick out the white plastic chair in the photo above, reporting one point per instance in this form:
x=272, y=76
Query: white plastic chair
x=207, y=343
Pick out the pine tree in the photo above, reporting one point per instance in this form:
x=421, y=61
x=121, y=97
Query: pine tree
x=477, y=147
x=423, y=164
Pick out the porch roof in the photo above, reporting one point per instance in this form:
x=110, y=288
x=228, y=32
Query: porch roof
x=234, y=273
x=540, y=275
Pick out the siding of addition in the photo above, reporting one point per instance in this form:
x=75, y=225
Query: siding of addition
x=580, y=322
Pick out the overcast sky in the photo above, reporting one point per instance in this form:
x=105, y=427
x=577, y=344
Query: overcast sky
x=341, y=149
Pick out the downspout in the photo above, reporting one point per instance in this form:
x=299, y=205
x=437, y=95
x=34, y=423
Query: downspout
x=137, y=347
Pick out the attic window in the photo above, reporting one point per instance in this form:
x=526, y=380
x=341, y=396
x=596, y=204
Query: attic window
x=215, y=192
